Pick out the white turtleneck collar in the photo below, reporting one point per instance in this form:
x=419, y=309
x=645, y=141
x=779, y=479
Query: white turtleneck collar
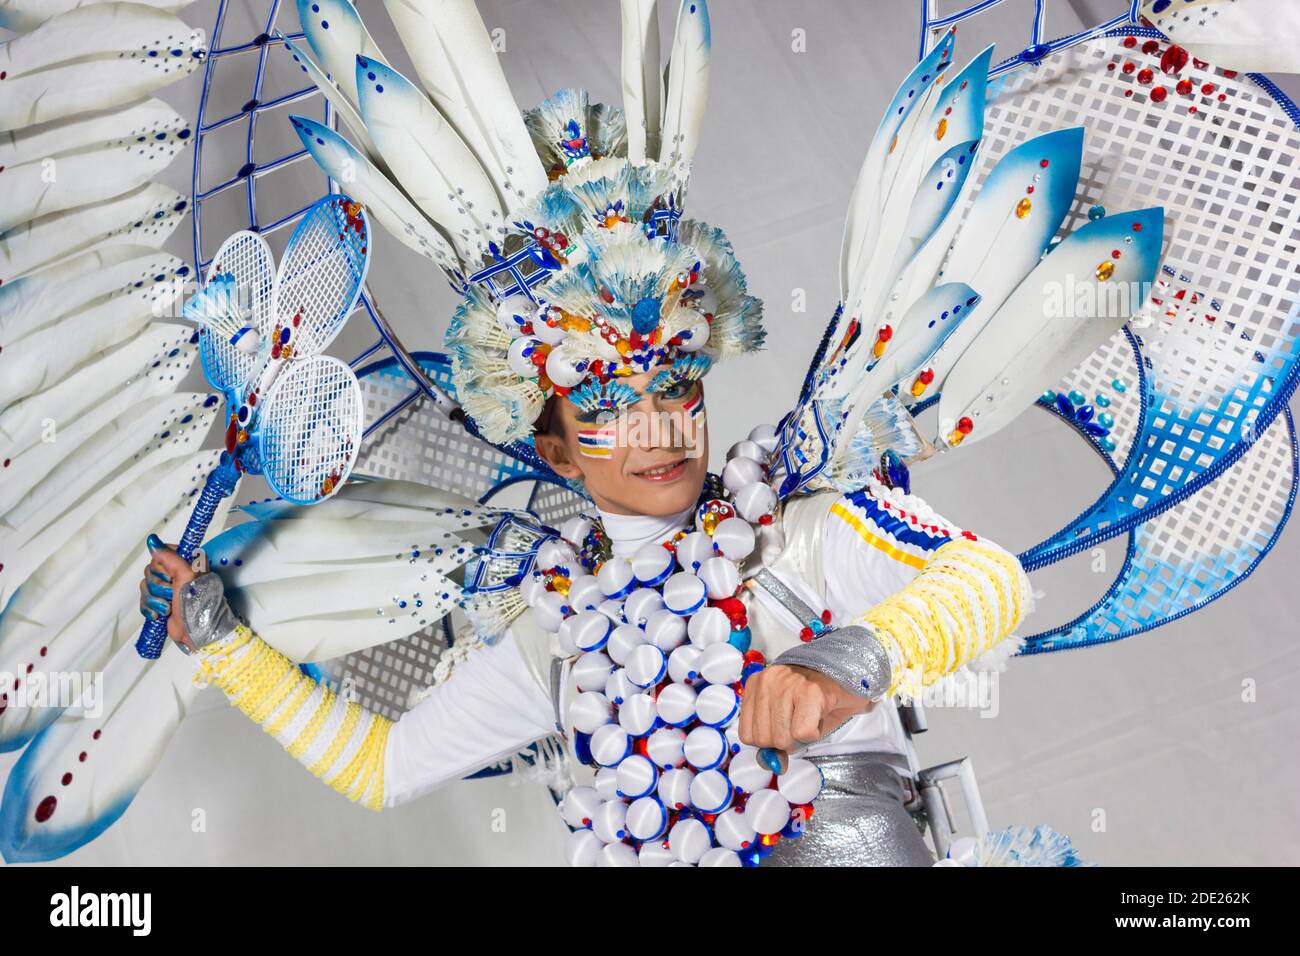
x=629, y=532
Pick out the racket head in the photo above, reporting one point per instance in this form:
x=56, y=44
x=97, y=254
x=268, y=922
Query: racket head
x=248, y=259
x=321, y=274
x=310, y=429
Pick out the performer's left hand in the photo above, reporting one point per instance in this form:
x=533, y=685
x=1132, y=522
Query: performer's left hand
x=785, y=707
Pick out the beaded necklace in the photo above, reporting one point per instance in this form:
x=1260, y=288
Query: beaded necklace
x=661, y=642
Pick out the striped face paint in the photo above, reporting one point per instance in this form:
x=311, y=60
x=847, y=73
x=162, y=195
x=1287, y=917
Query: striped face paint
x=694, y=409
x=597, y=442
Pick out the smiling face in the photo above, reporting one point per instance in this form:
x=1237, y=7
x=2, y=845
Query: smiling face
x=649, y=458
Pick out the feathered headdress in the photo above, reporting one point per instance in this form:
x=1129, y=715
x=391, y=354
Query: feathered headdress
x=562, y=226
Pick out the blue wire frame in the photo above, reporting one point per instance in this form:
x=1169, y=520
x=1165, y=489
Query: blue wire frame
x=248, y=176
x=1277, y=402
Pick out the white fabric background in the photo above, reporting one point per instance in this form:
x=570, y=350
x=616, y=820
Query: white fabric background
x=1143, y=752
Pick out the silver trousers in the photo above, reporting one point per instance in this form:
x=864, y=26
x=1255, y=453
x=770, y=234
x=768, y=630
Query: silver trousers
x=859, y=819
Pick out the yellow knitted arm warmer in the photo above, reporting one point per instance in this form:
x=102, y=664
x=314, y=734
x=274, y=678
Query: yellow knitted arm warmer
x=970, y=596
x=336, y=739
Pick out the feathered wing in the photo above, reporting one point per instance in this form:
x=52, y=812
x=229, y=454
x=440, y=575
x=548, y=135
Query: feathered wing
x=99, y=449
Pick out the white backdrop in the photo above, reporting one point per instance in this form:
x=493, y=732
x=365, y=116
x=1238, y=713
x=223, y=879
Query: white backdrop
x=1143, y=751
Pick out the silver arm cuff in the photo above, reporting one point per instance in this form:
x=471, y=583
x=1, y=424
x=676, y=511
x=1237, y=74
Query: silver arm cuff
x=208, y=617
x=851, y=656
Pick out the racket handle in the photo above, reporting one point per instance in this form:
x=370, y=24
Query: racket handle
x=220, y=483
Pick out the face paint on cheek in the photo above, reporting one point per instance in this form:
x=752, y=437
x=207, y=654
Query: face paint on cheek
x=694, y=409
x=597, y=442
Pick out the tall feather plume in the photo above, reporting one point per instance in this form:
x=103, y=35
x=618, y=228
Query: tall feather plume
x=688, y=85
x=458, y=65
x=642, y=82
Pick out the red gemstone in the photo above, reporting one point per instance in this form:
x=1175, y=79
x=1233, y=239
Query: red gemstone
x=1151, y=46
x=1230, y=74
x=964, y=425
x=1184, y=87
x=45, y=809
x=1130, y=67
x=67, y=779
x=1207, y=89
x=1130, y=42
x=1044, y=163
x=1145, y=77
x=97, y=734
x=1159, y=94
x=1114, y=253
x=1174, y=59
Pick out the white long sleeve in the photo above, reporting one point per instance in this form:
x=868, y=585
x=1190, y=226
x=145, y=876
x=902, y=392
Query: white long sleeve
x=489, y=708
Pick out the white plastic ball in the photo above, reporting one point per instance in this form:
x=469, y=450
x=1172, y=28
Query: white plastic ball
x=684, y=593
x=612, y=609
x=554, y=553
x=693, y=550
x=646, y=665
x=720, y=576
x=711, y=791
x=718, y=856
x=665, y=630
x=516, y=311
x=675, y=787
x=736, y=474
x=575, y=530
x=747, y=449
x=589, y=630
x=589, y=711
x=582, y=848
x=551, y=334
x=664, y=747
x=705, y=748
x=716, y=705
x=734, y=538
x=656, y=853
x=610, y=821
x=610, y=744
x=564, y=368
x=641, y=604
x=615, y=577
x=637, y=714
x=606, y=783
x=618, y=854
x=709, y=626
x=684, y=664
x=689, y=840
x=636, y=777
x=747, y=772
x=618, y=688
x=754, y=501
x=676, y=704
x=767, y=811
x=590, y=671
x=578, y=806
x=550, y=611
x=652, y=563
x=623, y=640
x=695, y=337
x=732, y=830
x=646, y=819
x=585, y=593
x=531, y=588
x=520, y=356
x=765, y=437
x=721, y=664
x=801, y=782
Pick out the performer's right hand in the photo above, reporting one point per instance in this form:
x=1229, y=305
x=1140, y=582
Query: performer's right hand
x=165, y=574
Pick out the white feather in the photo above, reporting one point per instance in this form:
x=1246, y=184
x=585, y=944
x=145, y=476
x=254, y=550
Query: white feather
x=458, y=65
x=145, y=216
x=688, y=84
x=93, y=58
x=643, y=91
